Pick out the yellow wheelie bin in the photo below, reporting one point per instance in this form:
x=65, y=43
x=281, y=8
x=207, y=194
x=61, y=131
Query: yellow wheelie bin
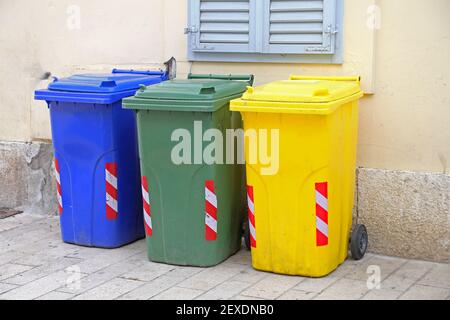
x=300, y=151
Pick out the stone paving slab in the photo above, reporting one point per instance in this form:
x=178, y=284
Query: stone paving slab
x=178, y=293
x=11, y=269
x=225, y=290
x=48, y=268
x=344, y=289
x=5, y=287
x=56, y=295
x=438, y=276
x=297, y=295
x=35, y=264
x=37, y=288
x=104, y=275
x=110, y=290
x=152, y=288
x=421, y=292
x=272, y=286
x=211, y=277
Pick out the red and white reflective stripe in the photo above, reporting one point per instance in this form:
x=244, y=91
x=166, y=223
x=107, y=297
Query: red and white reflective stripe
x=111, y=191
x=322, y=214
x=251, y=216
x=210, y=211
x=147, y=208
x=58, y=186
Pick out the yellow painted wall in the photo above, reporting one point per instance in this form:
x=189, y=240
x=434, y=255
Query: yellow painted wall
x=405, y=124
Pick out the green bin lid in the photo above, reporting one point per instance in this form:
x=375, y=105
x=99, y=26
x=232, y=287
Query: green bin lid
x=186, y=95
x=195, y=89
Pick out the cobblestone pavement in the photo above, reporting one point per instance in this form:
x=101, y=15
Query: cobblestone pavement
x=35, y=264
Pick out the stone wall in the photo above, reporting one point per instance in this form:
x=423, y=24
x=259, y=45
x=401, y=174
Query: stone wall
x=407, y=214
x=26, y=177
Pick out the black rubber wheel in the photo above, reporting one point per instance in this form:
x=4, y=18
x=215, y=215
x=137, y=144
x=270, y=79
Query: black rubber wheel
x=359, y=241
x=247, y=235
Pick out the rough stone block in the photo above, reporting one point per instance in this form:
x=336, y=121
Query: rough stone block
x=13, y=173
x=26, y=175
x=406, y=213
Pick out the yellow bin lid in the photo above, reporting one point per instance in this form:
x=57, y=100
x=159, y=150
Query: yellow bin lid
x=299, y=94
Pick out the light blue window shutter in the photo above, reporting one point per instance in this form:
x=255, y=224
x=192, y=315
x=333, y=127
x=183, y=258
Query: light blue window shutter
x=300, y=26
x=222, y=26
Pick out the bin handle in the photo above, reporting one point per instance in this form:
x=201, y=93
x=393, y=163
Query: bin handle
x=321, y=91
x=158, y=72
x=208, y=90
x=299, y=77
x=108, y=84
x=249, y=78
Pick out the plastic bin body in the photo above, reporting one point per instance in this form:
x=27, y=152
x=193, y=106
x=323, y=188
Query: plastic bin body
x=96, y=157
x=301, y=216
x=180, y=227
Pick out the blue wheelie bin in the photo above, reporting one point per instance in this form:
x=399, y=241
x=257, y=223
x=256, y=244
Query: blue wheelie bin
x=96, y=156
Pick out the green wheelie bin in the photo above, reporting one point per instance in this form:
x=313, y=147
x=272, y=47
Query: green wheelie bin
x=193, y=177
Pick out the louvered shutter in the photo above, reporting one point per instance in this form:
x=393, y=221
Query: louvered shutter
x=300, y=26
x=222, y=26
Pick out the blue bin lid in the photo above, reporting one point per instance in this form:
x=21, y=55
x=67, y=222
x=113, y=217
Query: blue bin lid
x=99, y=88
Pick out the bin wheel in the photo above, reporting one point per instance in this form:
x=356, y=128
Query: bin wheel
x=359, y=241
x=247, y=235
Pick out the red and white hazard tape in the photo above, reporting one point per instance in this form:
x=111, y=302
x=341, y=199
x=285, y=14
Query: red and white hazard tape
x=210, y=211
x=147, y=209
x=322, y=214
x=111, y=191
x=251, y=216
x=58, y=186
